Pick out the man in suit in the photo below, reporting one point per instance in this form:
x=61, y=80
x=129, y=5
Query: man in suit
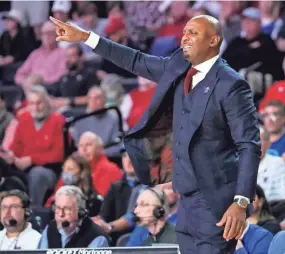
x=212, y=121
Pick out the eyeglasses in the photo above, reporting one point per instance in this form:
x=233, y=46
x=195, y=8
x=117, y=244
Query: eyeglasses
x=14, y=207
x=272, y=115
x=65, y=210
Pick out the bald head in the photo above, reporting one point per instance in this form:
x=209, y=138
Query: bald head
x=212, y=25
x=202, y=38
x=90, y=145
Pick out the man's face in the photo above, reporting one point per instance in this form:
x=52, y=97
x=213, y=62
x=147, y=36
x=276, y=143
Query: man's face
x=65, y=209
x=178, y=9
x=87, y=147
x=48, y=38
x=96, y=100
x=251, y=27
x=73, y=58
x=37, y=106
x=145, y=205
x=273, y=120
x=195, y=41
x=12, y=208
x=10, y=24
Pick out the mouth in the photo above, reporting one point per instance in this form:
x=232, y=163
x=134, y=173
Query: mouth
x=186, y=48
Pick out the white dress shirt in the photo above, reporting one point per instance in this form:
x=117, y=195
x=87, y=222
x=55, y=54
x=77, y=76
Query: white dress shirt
x=203, y=69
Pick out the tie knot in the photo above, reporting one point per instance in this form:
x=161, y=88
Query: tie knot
x=192, y=71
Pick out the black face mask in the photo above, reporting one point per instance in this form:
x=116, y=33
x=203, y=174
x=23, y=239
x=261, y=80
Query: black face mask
x=72, y=67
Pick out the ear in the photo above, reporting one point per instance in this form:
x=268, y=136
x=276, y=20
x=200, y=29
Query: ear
x=215, y=40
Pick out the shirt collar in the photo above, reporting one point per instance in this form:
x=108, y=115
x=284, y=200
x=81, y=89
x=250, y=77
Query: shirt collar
x=207, y=65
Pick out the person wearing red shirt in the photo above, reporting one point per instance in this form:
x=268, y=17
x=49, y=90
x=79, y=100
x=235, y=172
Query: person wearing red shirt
x=104, y=172
x=37, y=147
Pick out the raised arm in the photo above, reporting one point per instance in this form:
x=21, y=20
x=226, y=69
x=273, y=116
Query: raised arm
x=147, y=66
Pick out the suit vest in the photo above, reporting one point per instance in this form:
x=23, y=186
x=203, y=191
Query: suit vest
x=87, y=233
x=183, y=178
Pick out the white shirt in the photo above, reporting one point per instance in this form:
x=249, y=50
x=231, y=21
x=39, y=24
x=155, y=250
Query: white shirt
x=27, y=240
x=203, y=68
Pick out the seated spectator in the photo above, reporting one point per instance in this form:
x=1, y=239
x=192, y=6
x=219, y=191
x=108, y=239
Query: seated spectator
x=103, y=171
x=71, y=90
x=37, y=146
x=140, y=233
x=245, y=51
x=274, y=119
x=89, y=20
x=280, y=43
x=116, y=214
x=176, y=20
x=7, y=124
x=14, y=45
x=113, y=89
x=48, y=61
x=105, y=125
x=60, y=10
x=77, y=172
x=116, y=31
x=17, y=232
x=115, y=9
x=270, y=17
x=277, y=245
x=136, y=101
x=262, y=214
x=254, y=240
x=152, y=211
x=32, y=80
x=230, y=20
x=72, y=227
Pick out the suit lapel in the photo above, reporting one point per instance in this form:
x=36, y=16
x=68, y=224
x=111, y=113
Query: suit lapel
x=202, y=96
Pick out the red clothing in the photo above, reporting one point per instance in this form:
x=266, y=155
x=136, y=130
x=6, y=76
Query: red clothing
x=44, y=145
x=174, y=29
x=104, y=173
x=141, y=100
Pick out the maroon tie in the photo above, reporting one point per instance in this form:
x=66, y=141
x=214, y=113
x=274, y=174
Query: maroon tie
x=188, y=80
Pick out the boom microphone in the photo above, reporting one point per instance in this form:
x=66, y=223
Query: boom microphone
x=65, y=224
x=139, y=219
x=12, y=222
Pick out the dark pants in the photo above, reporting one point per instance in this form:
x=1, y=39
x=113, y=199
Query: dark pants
x=196, y=228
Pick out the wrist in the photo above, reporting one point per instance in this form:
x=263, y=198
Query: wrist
x=242, y=201
x=85, y=35
x=110, y=227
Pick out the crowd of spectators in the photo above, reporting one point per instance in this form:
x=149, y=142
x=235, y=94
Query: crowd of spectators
x=64, y=111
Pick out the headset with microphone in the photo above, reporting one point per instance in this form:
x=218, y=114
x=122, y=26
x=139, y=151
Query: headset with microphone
x=82, y=211
x=25, y=202
x=158, y=211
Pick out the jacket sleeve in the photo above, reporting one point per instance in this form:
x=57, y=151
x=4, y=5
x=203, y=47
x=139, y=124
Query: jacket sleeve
x=134, y=61
x=242, y=119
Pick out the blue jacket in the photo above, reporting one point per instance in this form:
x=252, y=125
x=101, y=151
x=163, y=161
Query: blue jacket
x=256, y=241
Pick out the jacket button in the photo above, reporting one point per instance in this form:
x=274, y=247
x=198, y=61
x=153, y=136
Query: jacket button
x=178, y=143
x=181, y=127
x=184, y=112
x=177, y=158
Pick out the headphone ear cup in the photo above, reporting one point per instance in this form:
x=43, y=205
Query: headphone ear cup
x=28, y=213
x=158, y=212
x=82, y=213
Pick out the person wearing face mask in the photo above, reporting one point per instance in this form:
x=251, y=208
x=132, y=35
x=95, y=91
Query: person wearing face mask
x=37, y=147
x=72, y=88
x=72, y=227
x=77, y=172
x=15, y=214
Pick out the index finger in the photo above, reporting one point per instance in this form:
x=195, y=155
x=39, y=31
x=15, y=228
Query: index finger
x=58, y=22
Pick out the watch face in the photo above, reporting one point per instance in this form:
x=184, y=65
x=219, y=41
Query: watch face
x=243, y=202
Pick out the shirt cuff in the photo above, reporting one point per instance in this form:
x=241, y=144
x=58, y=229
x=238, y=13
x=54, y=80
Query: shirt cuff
x=92, y=40
x=239, y=196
